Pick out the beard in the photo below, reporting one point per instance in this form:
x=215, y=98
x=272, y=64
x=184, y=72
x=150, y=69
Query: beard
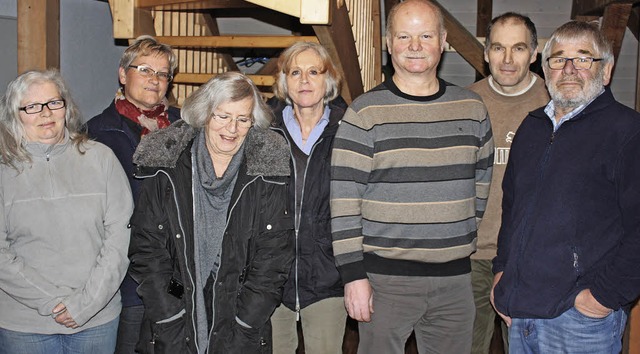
x=572, y=100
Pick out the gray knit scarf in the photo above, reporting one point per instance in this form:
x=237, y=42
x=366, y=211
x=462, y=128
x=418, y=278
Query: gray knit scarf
x=211, y=199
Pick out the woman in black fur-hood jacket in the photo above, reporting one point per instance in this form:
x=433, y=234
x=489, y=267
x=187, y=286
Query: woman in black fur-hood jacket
x=202, y=295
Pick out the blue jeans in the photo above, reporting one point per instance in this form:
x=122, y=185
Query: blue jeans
x=571, y=332
x=129, y=329
x=97, y=340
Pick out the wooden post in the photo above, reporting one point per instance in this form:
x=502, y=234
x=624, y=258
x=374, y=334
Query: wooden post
x=485, y=11
x=38, y=35
x=338, y=39
x=631, y=339
x=614, y=23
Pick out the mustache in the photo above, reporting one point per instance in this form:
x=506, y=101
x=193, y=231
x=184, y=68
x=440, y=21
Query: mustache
x=571, y=79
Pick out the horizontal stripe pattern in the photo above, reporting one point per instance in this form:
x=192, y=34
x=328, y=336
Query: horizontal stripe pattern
x=409, y=178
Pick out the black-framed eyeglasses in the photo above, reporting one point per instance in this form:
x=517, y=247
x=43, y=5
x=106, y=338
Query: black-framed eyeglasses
x=147, y=72
x=224, y=120
x=579, y=63
x=34, y=108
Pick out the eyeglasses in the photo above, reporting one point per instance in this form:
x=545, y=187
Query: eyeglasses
x=243, y=122
x=579, y=63
x=38, y=107
x=147, y=72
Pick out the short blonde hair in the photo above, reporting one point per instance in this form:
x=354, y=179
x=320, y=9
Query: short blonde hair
x=147, y=45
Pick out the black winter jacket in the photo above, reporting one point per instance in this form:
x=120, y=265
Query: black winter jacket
x=314, y=275
x=257, y=246
x=571, y=212
x=111, y=129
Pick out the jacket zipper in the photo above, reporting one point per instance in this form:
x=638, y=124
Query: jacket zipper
x=523, y=227
x=298, y=217
x=184, y=250
x=233, y=206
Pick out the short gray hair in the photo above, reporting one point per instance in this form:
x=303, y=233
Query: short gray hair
x=333, y=78
x=13, y=133
x=227, y=87
x=147, y=45
x=577, y=30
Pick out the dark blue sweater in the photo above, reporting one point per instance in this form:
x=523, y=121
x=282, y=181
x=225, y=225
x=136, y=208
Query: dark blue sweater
x=113, y=130
x=571, y=212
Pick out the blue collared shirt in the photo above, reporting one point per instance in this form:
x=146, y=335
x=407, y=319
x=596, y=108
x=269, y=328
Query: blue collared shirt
x=550, y=110
x=296, y=133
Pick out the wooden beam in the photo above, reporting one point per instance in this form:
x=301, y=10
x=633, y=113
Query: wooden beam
x=269, y=68
x=388, y=4
x=614, y=24
x=377, y=43
x=634, y=22
x=130, y=21
x=38, y=35
x=632, y=333
x=485, y=11
x=190, y=4
x=339, y=42
x=288, y=7
x=593, y=7
x=234, y=41
x=316, y=12
x=463, y=41
x=186, y=78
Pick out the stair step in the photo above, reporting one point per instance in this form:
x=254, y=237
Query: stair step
x=243, y=41
x=188, y=78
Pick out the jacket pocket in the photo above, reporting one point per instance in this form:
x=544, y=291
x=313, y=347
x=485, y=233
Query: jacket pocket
x=169, y=335
x=248, y=340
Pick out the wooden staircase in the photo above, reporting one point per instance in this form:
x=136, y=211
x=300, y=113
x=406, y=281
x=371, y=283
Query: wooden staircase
x=349, y=29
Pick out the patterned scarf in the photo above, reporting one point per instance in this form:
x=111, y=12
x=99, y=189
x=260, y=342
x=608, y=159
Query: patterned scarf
x=150, y=120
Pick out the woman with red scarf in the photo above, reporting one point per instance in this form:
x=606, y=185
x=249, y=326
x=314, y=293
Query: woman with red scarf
x=140, y=106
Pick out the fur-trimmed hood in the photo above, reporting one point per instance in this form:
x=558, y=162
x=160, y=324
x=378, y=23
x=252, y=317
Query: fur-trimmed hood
x=266, y=152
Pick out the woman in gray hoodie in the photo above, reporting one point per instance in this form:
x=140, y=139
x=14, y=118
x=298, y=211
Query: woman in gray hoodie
x=64, y=207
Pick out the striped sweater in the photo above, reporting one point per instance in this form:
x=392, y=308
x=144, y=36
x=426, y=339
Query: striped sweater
x=409, y=182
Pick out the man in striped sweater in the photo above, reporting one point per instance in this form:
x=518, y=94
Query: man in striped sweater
x=411, y=170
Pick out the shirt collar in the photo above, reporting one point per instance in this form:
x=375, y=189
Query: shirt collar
x=550, y=110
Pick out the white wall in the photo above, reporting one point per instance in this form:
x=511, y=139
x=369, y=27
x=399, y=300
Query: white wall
x=8, y=8
x=89, y=56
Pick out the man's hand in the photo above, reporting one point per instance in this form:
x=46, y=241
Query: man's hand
x=358, y=300
x=62, y=316
x=496, y=279
x=587, y=305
